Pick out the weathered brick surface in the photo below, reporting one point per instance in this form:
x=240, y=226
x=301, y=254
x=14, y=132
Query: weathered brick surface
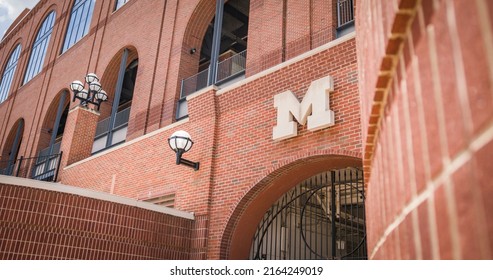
x=425, y=90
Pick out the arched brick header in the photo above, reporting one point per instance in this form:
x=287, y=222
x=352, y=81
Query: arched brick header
x=247, y=213
x=194, y=34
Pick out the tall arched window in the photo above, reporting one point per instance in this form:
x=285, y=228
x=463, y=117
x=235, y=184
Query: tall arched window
x=8, y=73
x=39, y=48
x=80, y=20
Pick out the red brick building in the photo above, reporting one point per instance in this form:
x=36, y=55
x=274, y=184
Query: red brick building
x=324, y=130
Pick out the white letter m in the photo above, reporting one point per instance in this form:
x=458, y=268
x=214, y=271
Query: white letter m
x=314, y=108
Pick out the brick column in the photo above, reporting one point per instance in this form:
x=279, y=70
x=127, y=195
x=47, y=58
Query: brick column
x=78, y=136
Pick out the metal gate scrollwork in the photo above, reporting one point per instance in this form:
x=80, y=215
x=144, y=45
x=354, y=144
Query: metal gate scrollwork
x=323, y=217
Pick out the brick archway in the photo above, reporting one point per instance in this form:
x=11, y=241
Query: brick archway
x=235, y=243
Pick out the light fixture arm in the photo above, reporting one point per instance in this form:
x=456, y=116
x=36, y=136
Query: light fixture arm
x=186, y=162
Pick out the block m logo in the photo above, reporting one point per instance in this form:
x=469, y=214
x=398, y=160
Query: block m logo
x=314, y=108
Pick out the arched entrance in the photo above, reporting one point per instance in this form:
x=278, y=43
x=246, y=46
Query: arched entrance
x=322, y=217
x=304, y=186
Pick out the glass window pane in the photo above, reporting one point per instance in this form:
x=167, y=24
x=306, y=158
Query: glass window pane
x=119, y=3
x=39, y=48
x=8, y=73
x=80, y=21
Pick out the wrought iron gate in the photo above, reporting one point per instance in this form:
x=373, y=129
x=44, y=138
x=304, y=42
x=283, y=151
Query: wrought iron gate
x=321, y=218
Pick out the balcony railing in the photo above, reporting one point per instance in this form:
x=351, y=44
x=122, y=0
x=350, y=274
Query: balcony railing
x=121, y=119
x=43, y=168
x=119, y=131
x=194, y=83
x=227, y=69
x=46, y=152
x=231, y=67
x=345, y=12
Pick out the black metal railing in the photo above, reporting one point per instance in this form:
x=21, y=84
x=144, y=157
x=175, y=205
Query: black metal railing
x=323, y=217
x=46, y=151
x=43, y=168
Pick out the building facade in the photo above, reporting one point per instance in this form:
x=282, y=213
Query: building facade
x=322, y=130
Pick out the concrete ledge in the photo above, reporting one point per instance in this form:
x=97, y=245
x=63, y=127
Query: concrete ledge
x=200, y=92
x=121, y=146
x=57, y=187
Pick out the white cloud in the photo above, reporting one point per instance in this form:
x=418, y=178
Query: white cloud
x=15, y=7
x=10, y=9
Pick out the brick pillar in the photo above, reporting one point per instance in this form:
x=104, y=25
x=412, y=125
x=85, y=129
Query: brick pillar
x=78, y=136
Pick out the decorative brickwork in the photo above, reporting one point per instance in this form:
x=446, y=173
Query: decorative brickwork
x=427, y=127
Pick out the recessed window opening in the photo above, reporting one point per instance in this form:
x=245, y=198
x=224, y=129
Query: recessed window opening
x=231, y=62
x=39, y=48
x=113, y=130
x=80, y=21
x=8, y=73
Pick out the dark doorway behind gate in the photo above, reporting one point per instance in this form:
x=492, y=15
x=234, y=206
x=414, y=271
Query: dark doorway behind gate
x=323, y=217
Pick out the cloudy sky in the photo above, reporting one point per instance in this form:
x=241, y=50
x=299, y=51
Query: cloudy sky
x=10, y=9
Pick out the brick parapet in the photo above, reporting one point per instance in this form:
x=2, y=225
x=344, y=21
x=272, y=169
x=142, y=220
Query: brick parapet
x=46, y=221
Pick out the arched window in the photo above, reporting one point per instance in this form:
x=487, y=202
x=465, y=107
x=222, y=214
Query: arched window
x=8, y=73
x=80, y=20
x=39, y=48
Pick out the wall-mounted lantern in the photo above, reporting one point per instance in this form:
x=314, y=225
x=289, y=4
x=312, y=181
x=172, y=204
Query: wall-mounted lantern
x=181, y=142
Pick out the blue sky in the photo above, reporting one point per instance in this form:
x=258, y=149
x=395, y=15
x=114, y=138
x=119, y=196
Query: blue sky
x=10, y=9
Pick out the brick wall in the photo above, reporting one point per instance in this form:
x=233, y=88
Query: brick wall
x=232, y=132
x=43, y=221
x=282, y=29
x=171, y=29
x=231, y=127
x=425, y=86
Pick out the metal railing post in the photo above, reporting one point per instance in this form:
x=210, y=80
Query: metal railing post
x=59, y=160
x=338, y=13
x=18, y=166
